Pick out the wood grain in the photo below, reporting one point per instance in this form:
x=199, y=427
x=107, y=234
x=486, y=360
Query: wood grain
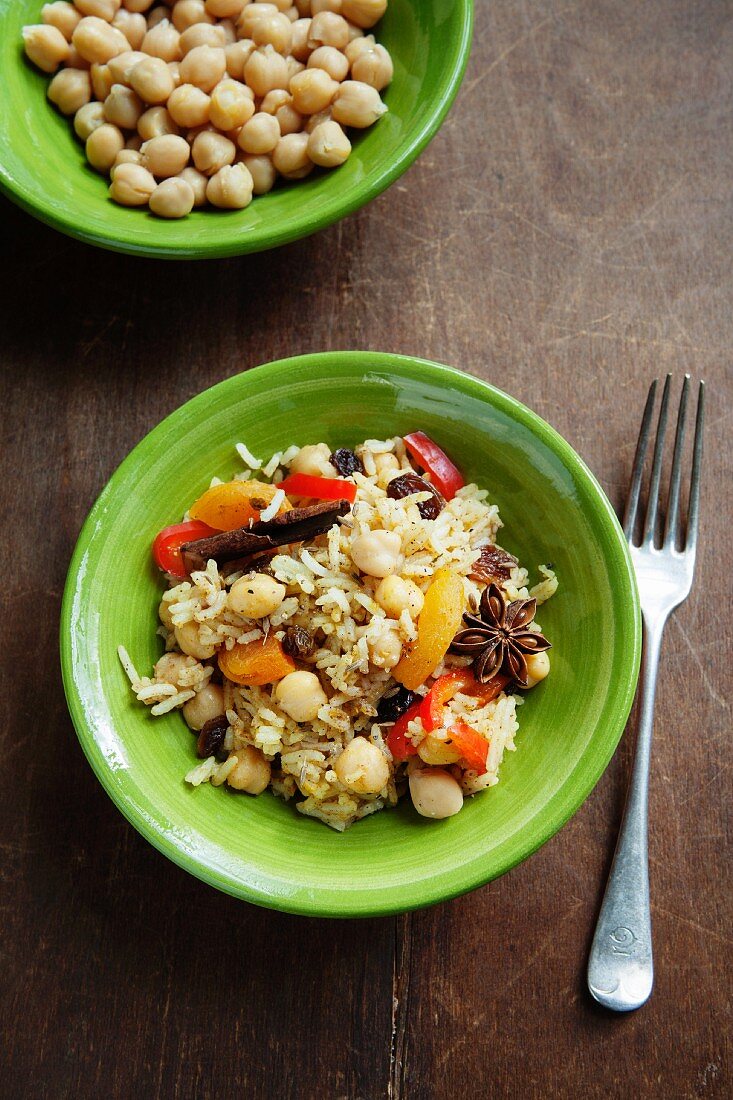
x=568, y=237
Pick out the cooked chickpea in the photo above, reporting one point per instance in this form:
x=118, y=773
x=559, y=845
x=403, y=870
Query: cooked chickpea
x=373, y=67
x=362, y=767
x=158, y=15
x=251, y=773
x=70, y=89
x=138, y=5
x=211, y=151
x=197, y=182
x=363, y=13
x=61, y=15
x=357, y=104
x=230, y=188
x=312, y=91
x=166, y=155
x=102, y=81
x=315, y=460
x=255, y=596
x=134, y=142
x=260, y=135
x=203, y=66
x=377, y=554
x=163, y=41
x=325, y=5
x=386, y=650
x=331, y=60
x=202, y=34
x=155, y=122
x=387, y=465
x=152, y=80
x=123, y=107
x=274, y=100
x=251, y=15
x=266, y=69
x=538, y=666
x=125, y=156
x=328, y=145
x=187, y=12
x=395, y=595
x=237, y=55
x=75, y=60
x=175, y=70
x=206, y=704
x=104, y=9
x=189, y=106
x=231, y=105
x=312, y=121
x=299, y=47
x=358, y=46
x=132, y=185
x=328, y=29
x=274, y=30
x=97, y=41
x=263, y=173
x=187, y=635
x=132, y=25
x=435, y=793
x=229, y=31
x=88, y=118
x=294, y=67
x=300, y=695
x=288, y=119
x=45, y=46
x=436, y=752
x=170, y=667
x=121, y=66
x=225, y=9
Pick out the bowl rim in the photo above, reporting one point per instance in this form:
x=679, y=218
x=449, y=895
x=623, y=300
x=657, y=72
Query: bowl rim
x=455, y=58
x=306, y=903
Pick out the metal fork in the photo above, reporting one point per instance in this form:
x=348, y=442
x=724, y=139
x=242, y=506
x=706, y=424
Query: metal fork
x=620, y=967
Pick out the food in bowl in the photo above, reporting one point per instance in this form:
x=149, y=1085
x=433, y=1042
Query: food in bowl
x=210, y=102
x=342, y=628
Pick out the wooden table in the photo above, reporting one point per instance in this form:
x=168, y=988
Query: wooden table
x=568, y=236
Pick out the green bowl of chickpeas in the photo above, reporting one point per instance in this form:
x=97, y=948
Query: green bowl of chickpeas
x=210, y=128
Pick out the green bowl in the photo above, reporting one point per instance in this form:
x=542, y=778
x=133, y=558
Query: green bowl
x=261, y=849
x=44, y=170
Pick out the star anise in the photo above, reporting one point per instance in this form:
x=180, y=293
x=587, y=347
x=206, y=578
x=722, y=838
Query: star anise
x=498, y=638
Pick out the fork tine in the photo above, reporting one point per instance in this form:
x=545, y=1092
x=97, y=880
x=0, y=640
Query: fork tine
x=650, y=522
x=694, y=508
x=632, y=499
x=671, y=530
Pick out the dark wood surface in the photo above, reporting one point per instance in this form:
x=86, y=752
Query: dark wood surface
x=567, y=236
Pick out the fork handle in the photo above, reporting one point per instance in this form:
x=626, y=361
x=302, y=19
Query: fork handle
x=620, y=966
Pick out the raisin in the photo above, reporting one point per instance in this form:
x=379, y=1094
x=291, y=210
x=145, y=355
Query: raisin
x=493, y=564
x=407, y=484
x=346, y=462
x=298, y=643
x=211, y=736
x=392, y=707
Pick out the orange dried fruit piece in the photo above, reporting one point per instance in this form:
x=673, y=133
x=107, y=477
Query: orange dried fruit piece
x=256, y=663
x=437, y=625
x=234, y=504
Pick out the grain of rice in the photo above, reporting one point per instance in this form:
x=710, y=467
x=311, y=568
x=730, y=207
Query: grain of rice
x=247, y=457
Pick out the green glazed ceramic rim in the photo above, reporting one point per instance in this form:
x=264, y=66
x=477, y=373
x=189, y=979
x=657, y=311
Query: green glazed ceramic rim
x=573, y=789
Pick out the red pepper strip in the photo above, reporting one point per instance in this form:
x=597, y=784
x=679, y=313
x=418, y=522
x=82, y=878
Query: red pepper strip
x=471, y=745
x=445, y=687
x=398, y=742
x=320, y=488
x=168, y=542
x=446, y=477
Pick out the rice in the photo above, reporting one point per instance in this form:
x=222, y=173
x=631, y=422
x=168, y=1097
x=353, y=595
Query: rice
x=327, y=596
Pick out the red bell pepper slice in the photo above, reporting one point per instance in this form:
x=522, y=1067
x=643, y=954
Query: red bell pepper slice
x=471, y=745
x=398, y=742
x=446, y=477
x=168, y=542
x=445, y=687
x=321, y=488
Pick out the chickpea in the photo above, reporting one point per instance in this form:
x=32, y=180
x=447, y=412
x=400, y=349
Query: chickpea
x=314, y=459
x=294, y=67
x=251, y=772
x=166, y=155
x=154, y=123
x=362, y=768
x=211, y=151
x=121, y=66
x=123, y=107
x=274, y=30
x=358, y=46
x=70, y=89
x=203, y=66
x=263, y=173
x=97, y=41
x=300, y=695
x=134, y=142
x=395, y=595
x=266, y=69
x=125, y=156
x=88, y=118
x=61, y=15
x=331, y=60
x=328, y=29
x=206, y=704
x=189, y=106
x=251, y=15
x=103, y=145
x=175, y=70
x=237, y=55
x=386, y=650
x=152, y=81
x=288, y=119
x=373, y=67
x=75, y=60
x=231, y=105
x=436, y=752
x=132, y=25
x=538, y=666
x=103, y=9
x=299, y=47
x=197, y=182
x=170, y=667
x=364, y=13
x=325, y=5
x=274, y=100
x=163, y=41
x=158, y=15
x=45, y=46
x=202, y=34
x=132, y=185
x=387, y=465
x=187, y=635
x=188, y=12
x=328, y=145
x=290, y=156
x=377, y=554
x=312, y=91
x=357, y=104
x=256, y=596
x=229, y=31
x=138, y=5
x=260, y=135
x=312, y=121
x=435, y=793
x=225, y=9
x=230, y=188
x=102, y=80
